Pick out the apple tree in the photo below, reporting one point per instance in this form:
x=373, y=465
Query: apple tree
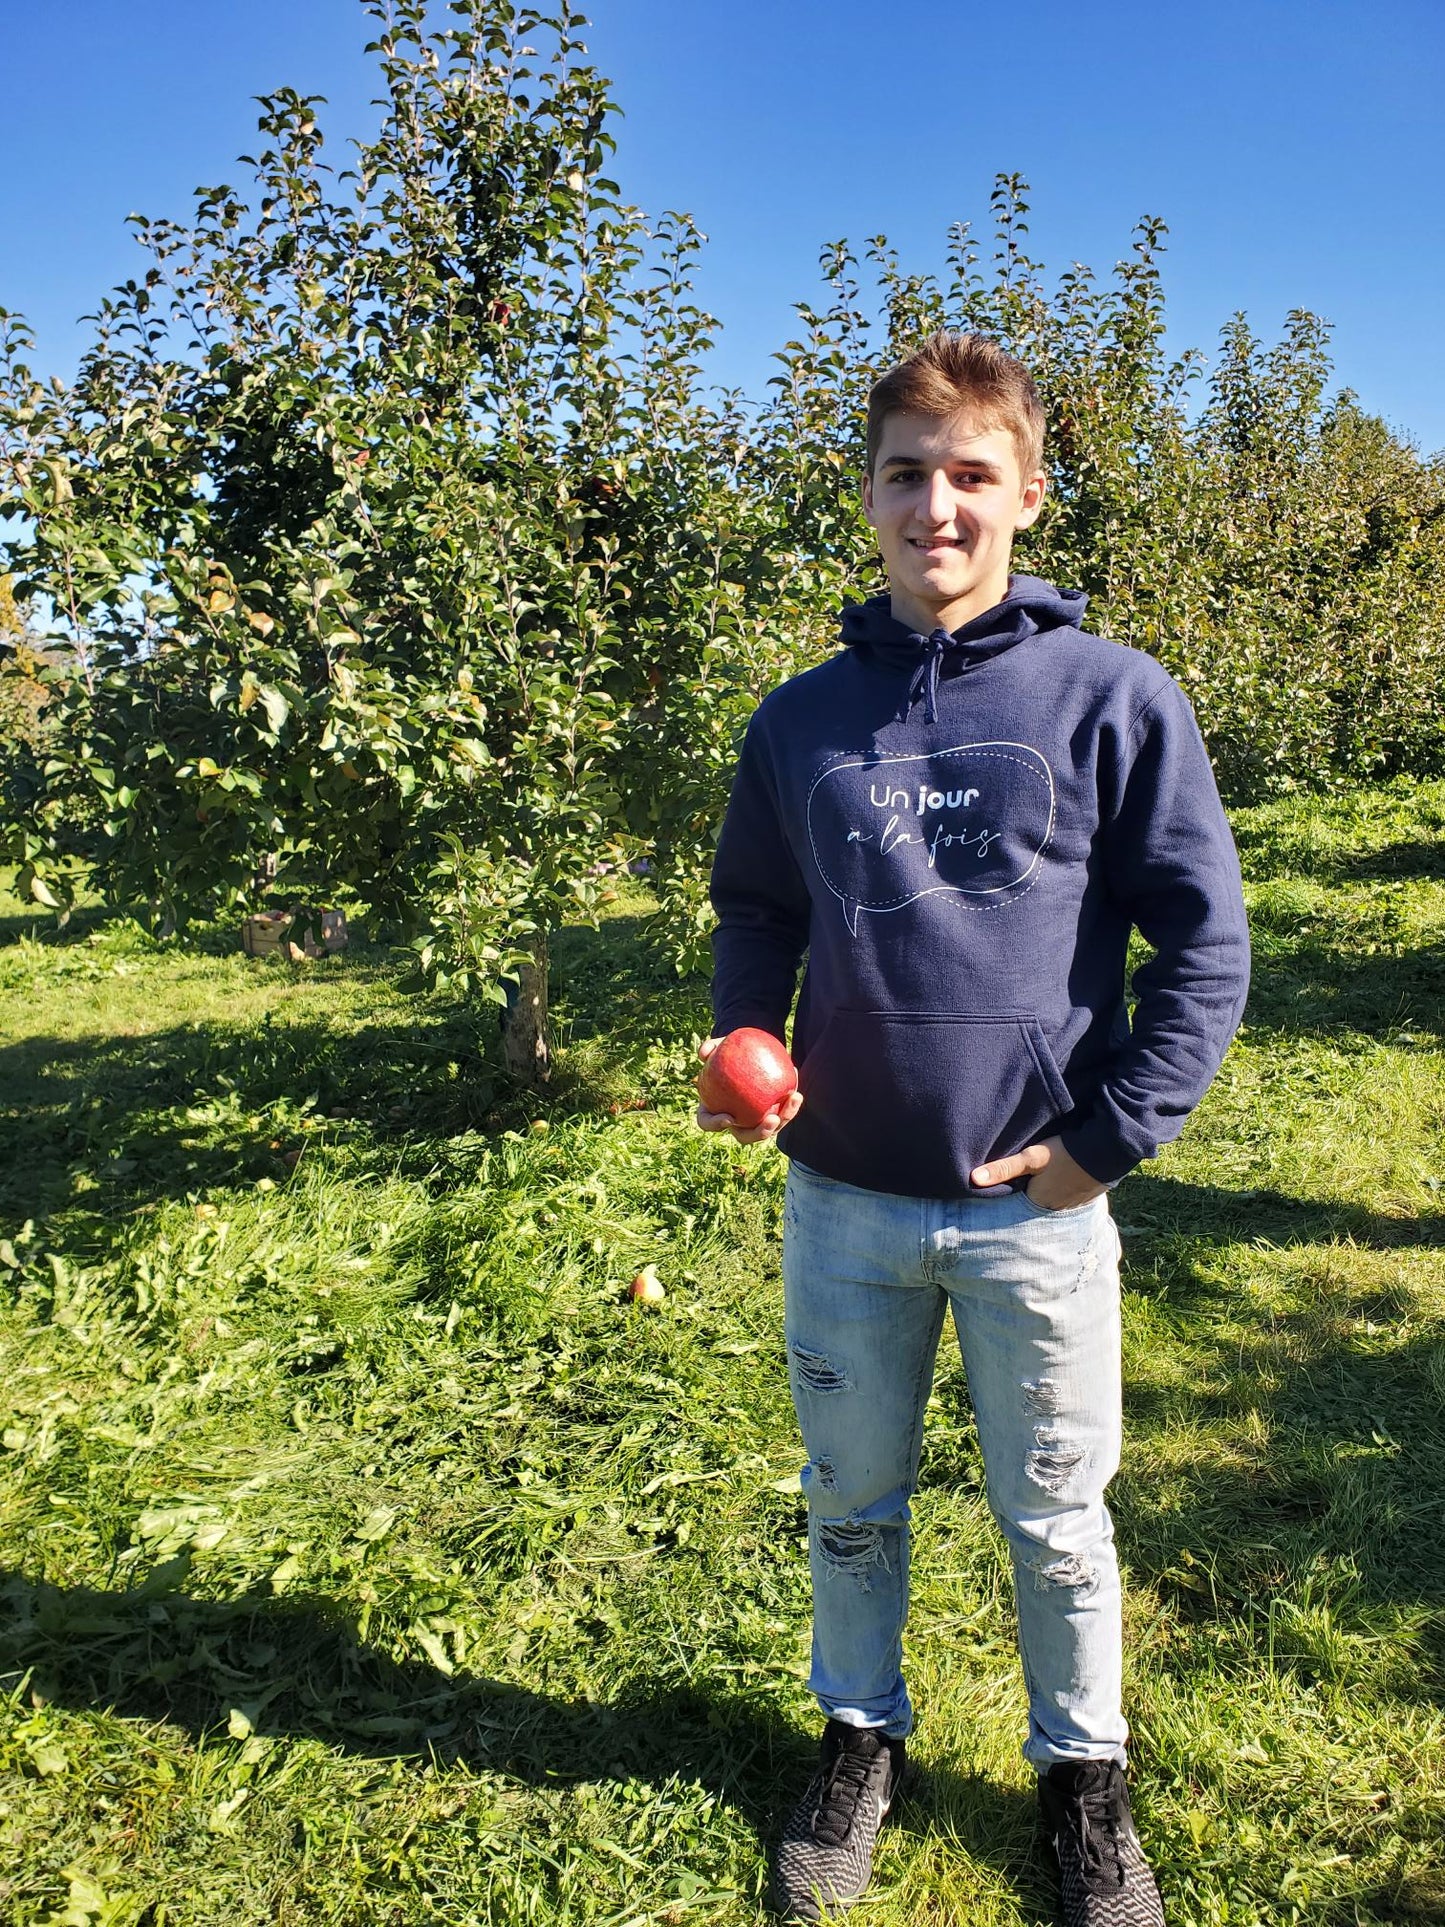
x=386, y=529
x=1280, y=550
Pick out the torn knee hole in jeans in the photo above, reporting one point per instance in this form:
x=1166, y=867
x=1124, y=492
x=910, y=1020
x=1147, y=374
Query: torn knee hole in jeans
x=851, y=1549
x=824, y=1474
x=1052, y=1464
x=1072, y=1570
x=1043, y=1396
x=818, y=1372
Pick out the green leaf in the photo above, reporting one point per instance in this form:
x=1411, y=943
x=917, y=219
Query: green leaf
x=222, y=1817
x=376, y=1524
x=276, y=706
x=435, y=1651
x=48, y=1758
x=286, y=1572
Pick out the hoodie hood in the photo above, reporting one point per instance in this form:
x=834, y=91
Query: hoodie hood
x=1030, y=607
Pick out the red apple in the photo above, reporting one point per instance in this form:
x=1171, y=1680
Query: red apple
x=748, y=1075
x=647, y=1288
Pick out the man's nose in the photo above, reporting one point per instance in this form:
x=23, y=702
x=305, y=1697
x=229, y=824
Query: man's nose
x=937, y=505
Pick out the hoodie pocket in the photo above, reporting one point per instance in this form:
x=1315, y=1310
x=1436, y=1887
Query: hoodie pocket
x=912, y=1101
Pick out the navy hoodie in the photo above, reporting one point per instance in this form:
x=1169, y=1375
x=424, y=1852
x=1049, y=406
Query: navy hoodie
x=960, y=831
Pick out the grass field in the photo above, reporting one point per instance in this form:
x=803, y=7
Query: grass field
x=368, y=1559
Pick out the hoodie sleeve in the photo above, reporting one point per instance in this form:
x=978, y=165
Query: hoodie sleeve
x=1170, y=863
x=761, y=902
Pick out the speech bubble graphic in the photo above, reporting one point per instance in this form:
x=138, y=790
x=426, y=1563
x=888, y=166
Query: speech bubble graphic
x=972, y=821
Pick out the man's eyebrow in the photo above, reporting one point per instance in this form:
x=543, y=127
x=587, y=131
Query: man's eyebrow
x=959, y=461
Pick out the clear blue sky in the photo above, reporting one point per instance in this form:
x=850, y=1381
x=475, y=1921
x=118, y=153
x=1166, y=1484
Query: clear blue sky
x=1295, y=147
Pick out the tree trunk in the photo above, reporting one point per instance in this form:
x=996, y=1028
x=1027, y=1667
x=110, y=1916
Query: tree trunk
x=526, y=1046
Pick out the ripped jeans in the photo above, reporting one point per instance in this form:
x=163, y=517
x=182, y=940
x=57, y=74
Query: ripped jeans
x=1035, y=1298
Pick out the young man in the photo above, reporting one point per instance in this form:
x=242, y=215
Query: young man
x=959, y=818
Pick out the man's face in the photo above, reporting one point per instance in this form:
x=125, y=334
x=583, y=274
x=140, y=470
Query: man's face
x=946, y=499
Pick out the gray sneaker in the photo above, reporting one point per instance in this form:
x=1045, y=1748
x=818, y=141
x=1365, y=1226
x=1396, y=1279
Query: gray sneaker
x=1106, y=1882
x=825, y=1857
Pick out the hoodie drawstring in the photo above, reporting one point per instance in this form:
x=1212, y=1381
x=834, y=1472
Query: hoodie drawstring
x=1030, y=608
x=925, y=679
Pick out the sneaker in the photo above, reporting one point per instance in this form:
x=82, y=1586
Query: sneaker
x=825, y=1857
x=1084, y=1810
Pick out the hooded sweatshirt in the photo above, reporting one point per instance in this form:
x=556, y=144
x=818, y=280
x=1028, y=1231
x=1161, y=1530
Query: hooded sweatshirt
x=961, y=830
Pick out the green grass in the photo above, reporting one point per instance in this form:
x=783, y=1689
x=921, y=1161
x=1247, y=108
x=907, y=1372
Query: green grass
x=368, y=1560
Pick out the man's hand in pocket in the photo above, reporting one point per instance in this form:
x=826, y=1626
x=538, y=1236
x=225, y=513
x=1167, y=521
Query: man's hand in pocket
x=1055, y=1181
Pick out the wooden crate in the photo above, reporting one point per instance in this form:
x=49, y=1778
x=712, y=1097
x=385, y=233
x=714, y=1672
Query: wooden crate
x=269, y=932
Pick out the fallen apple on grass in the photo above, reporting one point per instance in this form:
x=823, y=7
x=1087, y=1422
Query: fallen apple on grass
x=748, y=1075
x=647, y=1288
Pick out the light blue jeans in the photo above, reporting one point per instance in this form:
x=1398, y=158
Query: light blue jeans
x=1035, y=1298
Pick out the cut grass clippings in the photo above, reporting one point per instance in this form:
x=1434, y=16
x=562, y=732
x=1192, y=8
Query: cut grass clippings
x=369, y=1559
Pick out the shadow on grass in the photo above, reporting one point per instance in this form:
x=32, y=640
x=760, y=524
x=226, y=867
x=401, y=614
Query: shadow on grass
x=1334, y=1465
x=1161, y=1208
x=1312, y=1509
x=1412, y=856
x=39, y=926
x=1316, y=986
x=118, y=1122
x=295, y=1669
x=126, y=1120
x=1418, y=856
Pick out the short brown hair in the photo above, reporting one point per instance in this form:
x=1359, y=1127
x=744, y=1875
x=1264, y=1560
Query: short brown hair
x=955, y=374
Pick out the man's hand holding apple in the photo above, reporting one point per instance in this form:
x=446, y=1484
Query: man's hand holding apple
x=765, y=1129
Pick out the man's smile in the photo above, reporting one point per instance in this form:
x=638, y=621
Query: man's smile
x=946, y=499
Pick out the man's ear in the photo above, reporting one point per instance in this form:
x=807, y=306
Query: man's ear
x=868, y=496
x=1032, y=501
